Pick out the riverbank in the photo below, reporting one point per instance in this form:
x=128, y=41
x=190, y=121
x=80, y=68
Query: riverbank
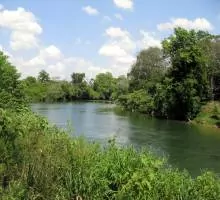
x=40, y=161
x=209, y=115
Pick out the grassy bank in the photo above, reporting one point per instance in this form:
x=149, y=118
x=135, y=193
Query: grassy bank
x=39, y=161
x=209, y=115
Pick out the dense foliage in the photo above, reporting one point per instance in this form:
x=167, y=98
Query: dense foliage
x=38, y=161
x=172, y=82
x=11, y=93
x=44, y=89
x=209, y=115
x=176, y=81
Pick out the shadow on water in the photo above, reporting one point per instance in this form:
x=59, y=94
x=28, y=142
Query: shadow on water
x=186, y=146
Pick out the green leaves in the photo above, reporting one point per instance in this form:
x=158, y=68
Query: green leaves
x=45, y=163
x=43, y=77
x=105, y=85
x=11, y=90
x=149, y=66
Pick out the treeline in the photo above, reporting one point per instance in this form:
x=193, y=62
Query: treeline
x=38, y=161
x=175, y=81
x=172, y=82
x=103, y=87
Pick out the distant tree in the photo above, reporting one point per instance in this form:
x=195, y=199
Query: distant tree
x=30, y=80
x=122, y=85
x=105, y=85
x=77, y=78
x=43, y=77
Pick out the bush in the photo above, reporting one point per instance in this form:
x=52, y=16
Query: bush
x=138, y=101
x=39, y=161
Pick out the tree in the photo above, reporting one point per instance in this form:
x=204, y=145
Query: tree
x=122, y=86
x=30, y=80
x=43, y=76
x=11, y=89
x=188, y=73
x=105, y=84
x=149, y=67
x=77, y=78
x=55, y=93
x=214, y=68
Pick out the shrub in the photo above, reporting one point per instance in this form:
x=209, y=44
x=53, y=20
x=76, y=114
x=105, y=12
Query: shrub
x=40, y=161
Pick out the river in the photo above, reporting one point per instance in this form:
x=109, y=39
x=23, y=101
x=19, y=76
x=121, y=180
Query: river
x=186, y=146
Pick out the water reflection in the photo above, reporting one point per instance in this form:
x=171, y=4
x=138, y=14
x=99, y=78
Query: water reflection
x=186, y=146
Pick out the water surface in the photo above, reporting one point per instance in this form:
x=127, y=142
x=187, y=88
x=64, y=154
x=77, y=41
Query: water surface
x=186, y=146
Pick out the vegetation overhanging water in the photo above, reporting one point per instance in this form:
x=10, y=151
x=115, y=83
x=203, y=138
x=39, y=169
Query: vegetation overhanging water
x=40, y=161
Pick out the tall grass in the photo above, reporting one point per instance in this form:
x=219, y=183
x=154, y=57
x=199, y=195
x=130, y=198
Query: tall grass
x=41, y=162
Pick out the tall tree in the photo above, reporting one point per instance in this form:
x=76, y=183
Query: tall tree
x=188, y=74
x=43, y=76
x=149, y=66
x=77, y=78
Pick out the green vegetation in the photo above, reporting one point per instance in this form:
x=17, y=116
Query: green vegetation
x=11, y=89
x=171, y=83
x=209, y=115
x=43, y=89
x=38, y=161
x=176, y=81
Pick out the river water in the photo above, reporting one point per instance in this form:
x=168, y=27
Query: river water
x=186, y=146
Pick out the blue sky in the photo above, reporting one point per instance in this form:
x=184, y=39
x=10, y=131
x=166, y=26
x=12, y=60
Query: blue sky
x=93, y=36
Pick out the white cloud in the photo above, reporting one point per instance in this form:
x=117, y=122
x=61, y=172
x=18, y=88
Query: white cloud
x=118, y=16
x=126, y=43
x=51, y=52
x=119, y=49
x=22, y=40
x=78, y=64
x=126, y=59
x=57, y=70
x=148, y=40
x=198, y=24
x=36, y=61
x=24, y=27
x=1, y=7
x=120, y=43
x=93, y=70
x=61, y=67
x=115, y=32
x=125, y=4
x=90, y=10
x=107, y=18
x=48, y=56
x=112, y=50
x=24, y=34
